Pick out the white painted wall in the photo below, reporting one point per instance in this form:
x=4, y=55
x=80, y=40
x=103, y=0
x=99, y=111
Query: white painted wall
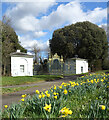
x=81, y=63
x=15, y=66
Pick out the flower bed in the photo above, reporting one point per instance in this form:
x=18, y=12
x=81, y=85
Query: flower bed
x=85, y=98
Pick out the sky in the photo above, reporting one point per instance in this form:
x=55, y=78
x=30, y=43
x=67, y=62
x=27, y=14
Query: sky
x=34, y=22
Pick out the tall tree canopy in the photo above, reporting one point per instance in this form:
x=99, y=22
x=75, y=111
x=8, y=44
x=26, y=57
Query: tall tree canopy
x=10, y=44
x=84, y=39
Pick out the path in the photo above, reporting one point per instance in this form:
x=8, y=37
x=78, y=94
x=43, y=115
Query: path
x=8, y=99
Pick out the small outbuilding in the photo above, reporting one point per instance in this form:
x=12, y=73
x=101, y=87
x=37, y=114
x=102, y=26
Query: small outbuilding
x=21, y=64
x=75, y=66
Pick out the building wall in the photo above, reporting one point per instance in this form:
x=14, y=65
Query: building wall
x=70, y=67
x=79, y=65
x=21, y=62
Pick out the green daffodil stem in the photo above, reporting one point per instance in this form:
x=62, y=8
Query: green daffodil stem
x=46, y=114
x=53, y=108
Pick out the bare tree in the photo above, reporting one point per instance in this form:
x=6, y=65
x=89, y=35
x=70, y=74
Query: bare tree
x=35, y=50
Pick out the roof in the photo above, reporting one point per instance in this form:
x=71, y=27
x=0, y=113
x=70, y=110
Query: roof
x=78, y=59
x=20, y=54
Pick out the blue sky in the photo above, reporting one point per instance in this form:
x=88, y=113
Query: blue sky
x=34, y=23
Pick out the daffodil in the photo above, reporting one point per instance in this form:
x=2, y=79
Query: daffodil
x=60, y=87
x=55, y=97
x=24, y=96
x=66, y=111
x=22, y=99
x=54, y=93
x=65, y=91
x=37, y=92
x=51, y=90
x=48, y=95
x=63, y=83
x=102, y=80
x=77, y=84
x=6, y=106
x=40, y=96
x=47, y=107
x=54, y=87
x=69, y=112
x=46, y=92
x=91, y=81
x=102, y=107
x=43, y=95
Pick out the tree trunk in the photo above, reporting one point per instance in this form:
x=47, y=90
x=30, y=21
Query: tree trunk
x=4, y=70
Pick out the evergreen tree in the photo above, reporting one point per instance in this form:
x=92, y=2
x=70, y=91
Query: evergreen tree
x=10, y=44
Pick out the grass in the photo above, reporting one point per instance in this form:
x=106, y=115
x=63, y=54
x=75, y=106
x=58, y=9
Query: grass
x=80, y=104
x=76, y=74
x=10, y=81
x=15, y=89
x=100, y=71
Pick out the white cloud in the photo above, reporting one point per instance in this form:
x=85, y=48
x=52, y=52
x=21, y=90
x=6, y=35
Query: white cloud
x=104, y=26
x=39, y=34
x=27, y=43
x=69, y=13
x=97, y=15
x=72, y=13
x=23, y=15
x=26, y=18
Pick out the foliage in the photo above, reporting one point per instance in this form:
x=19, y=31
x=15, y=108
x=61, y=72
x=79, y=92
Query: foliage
x=106, y=64
x=10, y=44
x=84, y=39
x=85, y=98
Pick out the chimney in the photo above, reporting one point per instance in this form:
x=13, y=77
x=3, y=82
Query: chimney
x=76, y=56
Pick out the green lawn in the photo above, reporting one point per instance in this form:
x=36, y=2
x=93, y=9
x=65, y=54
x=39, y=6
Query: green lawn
x=9, y=81
x=15, y=89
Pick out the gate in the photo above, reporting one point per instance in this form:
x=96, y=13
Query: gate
x=55, y=64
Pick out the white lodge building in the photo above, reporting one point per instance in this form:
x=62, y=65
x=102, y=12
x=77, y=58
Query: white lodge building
x=21, y=64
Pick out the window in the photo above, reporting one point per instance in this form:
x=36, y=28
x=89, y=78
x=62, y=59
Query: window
x=21, y=68
x=81, y=69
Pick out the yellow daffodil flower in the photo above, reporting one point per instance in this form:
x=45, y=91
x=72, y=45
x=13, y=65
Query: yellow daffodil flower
x=102, y=107
x=48, y=95
x=60, y=87
x=51, y=90
x=24, y=96
x=102, y=80
x=54, y=87
x=54, y=93
x=65, y=91
x=55, y=97
x=40, y=96
x=46, y=92
x=43, y=95
x=6, y=106
x=37, y=92
x=66, y=111
x=47, y=107
x=91, y=81
x=22, y=99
